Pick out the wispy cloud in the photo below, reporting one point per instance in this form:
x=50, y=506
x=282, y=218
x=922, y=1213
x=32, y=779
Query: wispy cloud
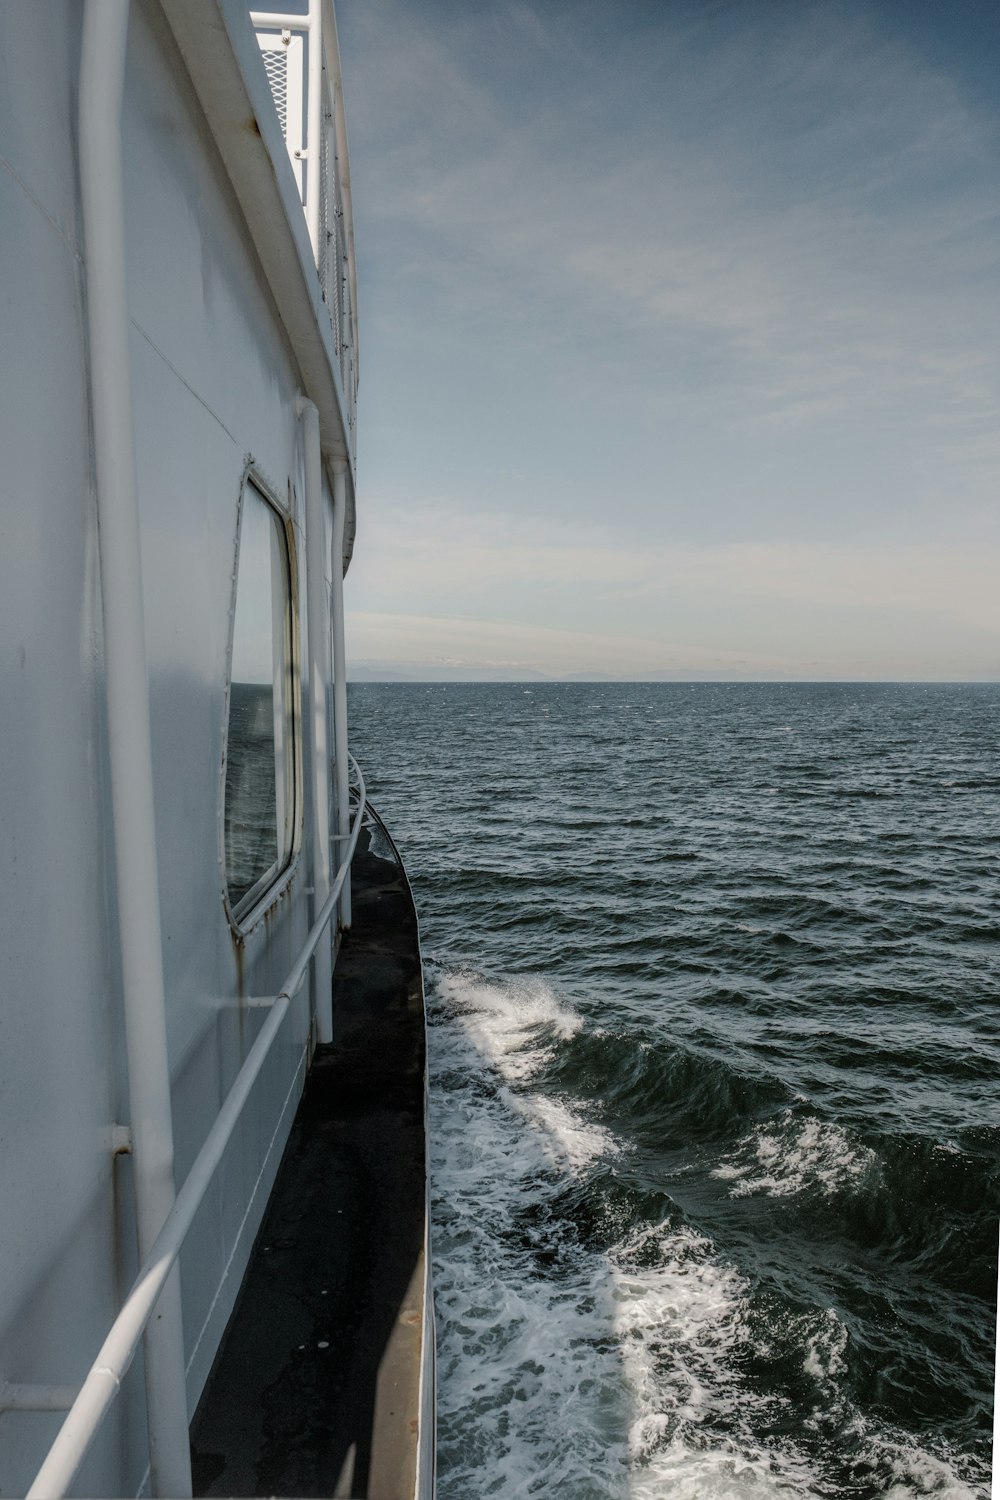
x=716, y=291
x=840, y=610
x=465, y=644
x=811, y=213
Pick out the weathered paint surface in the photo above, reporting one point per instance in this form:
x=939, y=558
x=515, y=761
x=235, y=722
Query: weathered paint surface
x=214, y=383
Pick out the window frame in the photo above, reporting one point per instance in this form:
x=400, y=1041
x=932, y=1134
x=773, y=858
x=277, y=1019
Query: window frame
x=248, y=911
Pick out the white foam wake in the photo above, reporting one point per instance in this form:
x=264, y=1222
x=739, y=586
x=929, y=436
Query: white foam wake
x=512, y=1024
x=681, y=1320
x=528, y=1401
x=515, y=1028
x=580, y=1357
x=792, y=1154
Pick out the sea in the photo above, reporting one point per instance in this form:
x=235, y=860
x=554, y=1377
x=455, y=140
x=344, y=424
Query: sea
x=713, y=978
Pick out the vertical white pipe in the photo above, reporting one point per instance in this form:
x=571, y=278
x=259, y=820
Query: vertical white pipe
x=319, y=680
x=102, y=85
x=339, y=467
x=314, y=123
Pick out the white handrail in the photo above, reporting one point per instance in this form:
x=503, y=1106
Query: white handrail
x=318, y=644
x=341, y=759
x=105, y=1376
x=279, y=20
x=331, y=45
x=314, y=125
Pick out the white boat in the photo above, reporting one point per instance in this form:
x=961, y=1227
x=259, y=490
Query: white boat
x=197, y=992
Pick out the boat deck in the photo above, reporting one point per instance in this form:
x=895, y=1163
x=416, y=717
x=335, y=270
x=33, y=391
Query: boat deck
x=316, y=1388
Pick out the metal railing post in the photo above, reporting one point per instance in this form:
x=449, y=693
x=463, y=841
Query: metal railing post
x=314, y=125
x=102, y=87
x=319, y=681
x=341, y=770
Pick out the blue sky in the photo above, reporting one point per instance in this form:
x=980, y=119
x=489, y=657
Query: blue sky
x=680, y=337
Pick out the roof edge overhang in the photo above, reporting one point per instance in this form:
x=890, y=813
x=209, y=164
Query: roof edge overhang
x=219, y=49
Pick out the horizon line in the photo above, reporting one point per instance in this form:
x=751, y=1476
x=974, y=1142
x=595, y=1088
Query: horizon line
x=585, y=680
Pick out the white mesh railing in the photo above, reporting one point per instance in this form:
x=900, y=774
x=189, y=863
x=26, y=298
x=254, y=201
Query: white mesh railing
x=316, y=124
x=276, y=68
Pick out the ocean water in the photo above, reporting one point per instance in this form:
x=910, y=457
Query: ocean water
x=714, y=989
x=251, y=829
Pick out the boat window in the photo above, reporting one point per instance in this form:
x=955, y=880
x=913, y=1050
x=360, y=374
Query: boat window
x=260, y=781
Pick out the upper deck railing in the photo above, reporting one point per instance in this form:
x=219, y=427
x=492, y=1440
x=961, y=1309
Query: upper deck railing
x=302, y=61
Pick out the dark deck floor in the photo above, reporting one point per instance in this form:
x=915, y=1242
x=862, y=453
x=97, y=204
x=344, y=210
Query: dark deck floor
x=315, y=1390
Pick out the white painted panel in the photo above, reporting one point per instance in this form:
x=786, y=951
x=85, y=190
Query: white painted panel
x=58, y=1089
x=211, y=363
x=41, y=48
x=214, y=382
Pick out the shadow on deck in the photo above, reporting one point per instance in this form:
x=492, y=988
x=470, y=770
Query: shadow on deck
x=315, y=1390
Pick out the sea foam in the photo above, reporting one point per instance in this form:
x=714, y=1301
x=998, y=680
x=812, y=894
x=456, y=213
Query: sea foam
x=793, y=1154
x=609, y=1363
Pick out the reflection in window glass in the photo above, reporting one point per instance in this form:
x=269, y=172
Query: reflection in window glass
x=259, y=748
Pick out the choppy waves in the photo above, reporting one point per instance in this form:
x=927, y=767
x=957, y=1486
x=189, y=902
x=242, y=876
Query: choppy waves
x=793, y=1154
x=593, y=1343
x=714, y=1056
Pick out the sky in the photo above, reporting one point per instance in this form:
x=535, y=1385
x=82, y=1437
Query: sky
x=680, y=338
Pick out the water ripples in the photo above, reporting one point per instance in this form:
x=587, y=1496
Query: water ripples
x=714, y=1055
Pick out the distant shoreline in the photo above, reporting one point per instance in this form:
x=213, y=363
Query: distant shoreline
x=360, y=676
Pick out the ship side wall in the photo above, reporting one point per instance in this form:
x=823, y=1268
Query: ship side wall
x=214, y=390
x=60, y=1187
